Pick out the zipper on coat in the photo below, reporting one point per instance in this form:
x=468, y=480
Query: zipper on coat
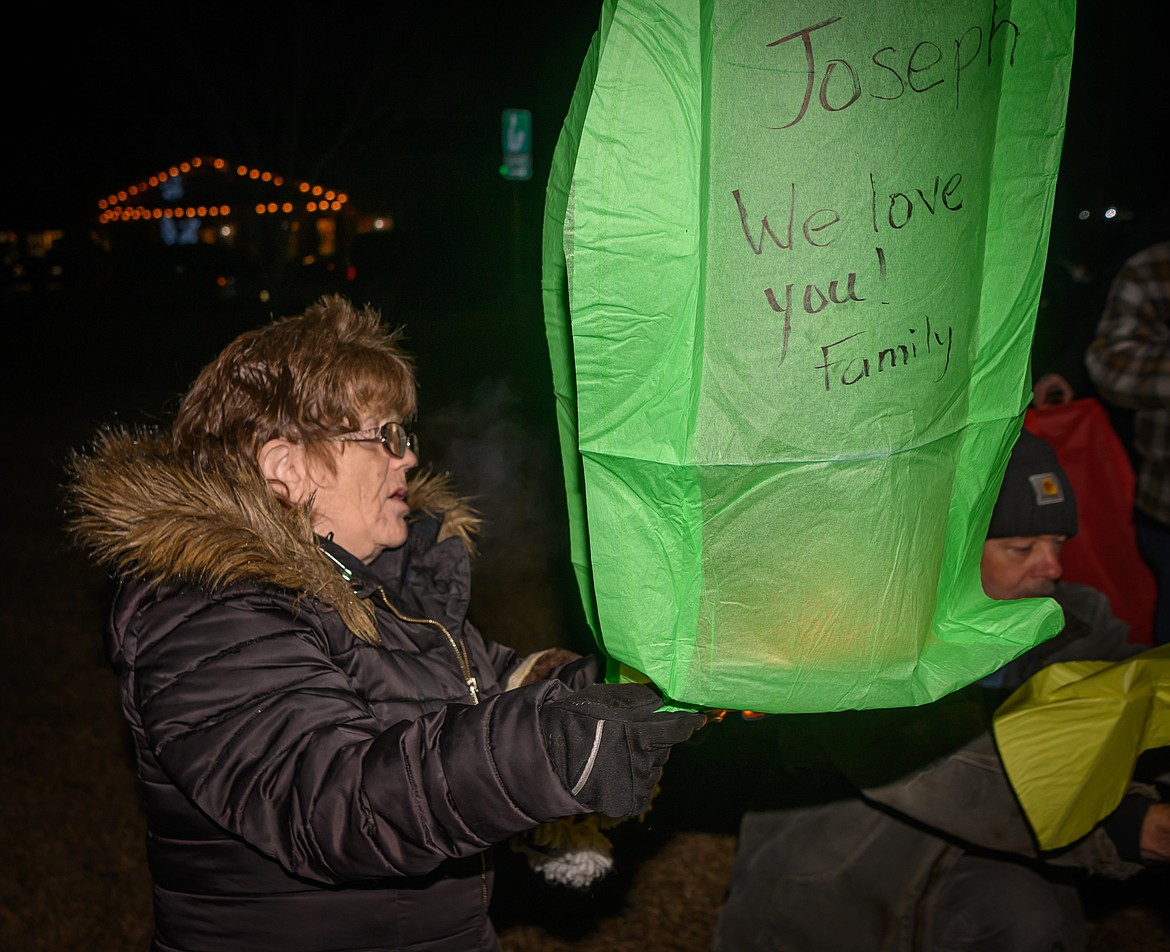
x=457, y=646
x=464, y=660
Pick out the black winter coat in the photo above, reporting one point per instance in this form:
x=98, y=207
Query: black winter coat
x=305, y=789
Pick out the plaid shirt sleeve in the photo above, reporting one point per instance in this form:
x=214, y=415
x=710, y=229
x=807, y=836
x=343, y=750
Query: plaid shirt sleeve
x=1129, y=360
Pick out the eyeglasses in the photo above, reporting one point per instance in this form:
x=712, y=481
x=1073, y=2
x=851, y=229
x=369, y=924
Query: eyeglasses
x=394, y=436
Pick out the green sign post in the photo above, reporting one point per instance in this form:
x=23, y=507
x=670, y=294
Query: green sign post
x=516, y=141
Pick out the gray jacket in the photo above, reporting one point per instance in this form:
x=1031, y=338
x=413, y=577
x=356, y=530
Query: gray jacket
x=860, y=872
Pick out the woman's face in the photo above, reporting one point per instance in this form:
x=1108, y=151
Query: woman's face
x=364, y=503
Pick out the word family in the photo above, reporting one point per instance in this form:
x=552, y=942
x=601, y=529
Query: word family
x=851, y=360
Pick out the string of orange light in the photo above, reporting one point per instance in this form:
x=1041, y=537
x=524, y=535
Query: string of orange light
x=113, y=207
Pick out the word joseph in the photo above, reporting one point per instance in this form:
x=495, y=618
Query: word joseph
x=925, y=67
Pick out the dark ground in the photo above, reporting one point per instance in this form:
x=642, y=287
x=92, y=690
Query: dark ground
x=71, y=832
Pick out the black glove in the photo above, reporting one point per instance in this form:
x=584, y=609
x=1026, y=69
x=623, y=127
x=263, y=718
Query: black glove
x=608, y=744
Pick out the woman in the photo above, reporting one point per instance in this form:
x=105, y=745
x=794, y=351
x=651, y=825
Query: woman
x=325, y=745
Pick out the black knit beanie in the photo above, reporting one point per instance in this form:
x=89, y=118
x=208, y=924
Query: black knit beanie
x=1036, y=497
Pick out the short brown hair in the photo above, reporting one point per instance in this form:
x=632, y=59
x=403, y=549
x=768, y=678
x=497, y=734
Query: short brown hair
x=303, y=378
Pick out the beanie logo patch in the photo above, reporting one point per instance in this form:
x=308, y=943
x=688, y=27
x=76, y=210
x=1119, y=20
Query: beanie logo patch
x=1047, y=488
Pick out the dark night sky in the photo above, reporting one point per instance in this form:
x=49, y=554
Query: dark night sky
x=124, y=94
x=106, y=95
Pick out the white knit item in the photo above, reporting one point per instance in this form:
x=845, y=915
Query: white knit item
x=576, y=868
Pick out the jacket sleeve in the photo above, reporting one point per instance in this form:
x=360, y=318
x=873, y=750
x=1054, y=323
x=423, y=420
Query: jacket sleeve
x=937, y=766
x=1129, y=359
x=576, y=671
x=966, y=796
x=248, y=716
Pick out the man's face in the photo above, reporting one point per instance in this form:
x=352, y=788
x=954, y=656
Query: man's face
x=1021, y=566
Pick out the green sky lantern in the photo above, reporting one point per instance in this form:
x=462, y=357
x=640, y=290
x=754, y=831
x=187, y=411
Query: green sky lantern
x=792, y=259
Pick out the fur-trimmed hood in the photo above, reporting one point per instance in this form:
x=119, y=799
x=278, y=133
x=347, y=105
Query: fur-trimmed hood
x=144, y=514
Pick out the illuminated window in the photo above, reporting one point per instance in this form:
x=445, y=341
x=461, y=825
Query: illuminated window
x=326, y=236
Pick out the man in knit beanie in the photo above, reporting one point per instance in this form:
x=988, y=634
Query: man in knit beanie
x=1034, y=515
